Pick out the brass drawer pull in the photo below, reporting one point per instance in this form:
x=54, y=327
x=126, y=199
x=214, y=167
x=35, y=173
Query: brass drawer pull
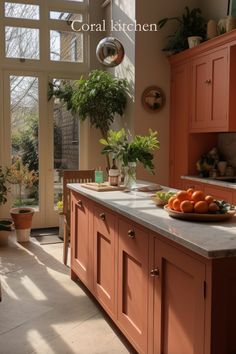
x=79, y=203
x=102, y=216
x=155, y=272
x=131, y=234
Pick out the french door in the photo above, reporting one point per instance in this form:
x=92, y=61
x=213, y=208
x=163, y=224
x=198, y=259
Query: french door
x=42, y=138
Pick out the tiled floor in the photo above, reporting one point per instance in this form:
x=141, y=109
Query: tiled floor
x=43, y=311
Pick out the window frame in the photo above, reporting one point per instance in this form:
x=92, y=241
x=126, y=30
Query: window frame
x=45, y=24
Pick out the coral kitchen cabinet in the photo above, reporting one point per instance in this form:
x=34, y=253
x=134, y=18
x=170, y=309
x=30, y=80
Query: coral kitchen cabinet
x=163, y=296
x=179, y=303
x=104, y=258
x=81, y=251
x=210, y=92
x=133, y=277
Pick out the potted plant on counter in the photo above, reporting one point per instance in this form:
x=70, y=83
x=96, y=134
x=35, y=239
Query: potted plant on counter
x=20, y=175
x=129, y=151
x=190, y=24
x=5, y=224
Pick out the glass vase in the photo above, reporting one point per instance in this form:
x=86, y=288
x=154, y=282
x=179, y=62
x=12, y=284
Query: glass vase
x=130, y=176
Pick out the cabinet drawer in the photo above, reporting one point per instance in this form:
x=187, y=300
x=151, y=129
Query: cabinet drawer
x=220, y=193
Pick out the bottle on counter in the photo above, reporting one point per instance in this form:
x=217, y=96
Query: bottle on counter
x=99, y=175
x=113, y=175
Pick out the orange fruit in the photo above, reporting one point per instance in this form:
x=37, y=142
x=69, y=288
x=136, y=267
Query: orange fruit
x=201, y=207
x=190, y=192
x=182, y=195
x=186, y=206
x=213, y=208
x=197, y=196
x=176, y=204
x=209, y=199
x=170, y=202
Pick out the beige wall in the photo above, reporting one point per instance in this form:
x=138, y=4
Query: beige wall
x=125, y=11
x=214, y=9
x=90, y=147
x=152, y=68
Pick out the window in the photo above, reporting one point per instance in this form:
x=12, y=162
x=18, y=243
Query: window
x=30, y=12
x=21, y=42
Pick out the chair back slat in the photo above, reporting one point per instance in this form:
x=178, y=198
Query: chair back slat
x=79, y=176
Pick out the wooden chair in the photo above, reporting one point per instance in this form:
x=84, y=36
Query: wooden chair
x=82, y=176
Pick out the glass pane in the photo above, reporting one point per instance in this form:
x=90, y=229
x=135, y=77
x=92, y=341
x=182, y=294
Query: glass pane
x=22, y=42
x=66, y=46
x=30, y=12
x=66, y=144
x=24, y=112
x=65, y=16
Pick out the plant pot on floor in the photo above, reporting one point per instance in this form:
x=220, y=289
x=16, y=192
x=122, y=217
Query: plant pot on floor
x=5, y=229
x=22, y=218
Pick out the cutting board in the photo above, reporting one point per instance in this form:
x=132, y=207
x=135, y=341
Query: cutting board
x=101, y=187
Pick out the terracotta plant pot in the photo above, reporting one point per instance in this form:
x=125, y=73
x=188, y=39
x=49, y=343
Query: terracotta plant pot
x=22, y=218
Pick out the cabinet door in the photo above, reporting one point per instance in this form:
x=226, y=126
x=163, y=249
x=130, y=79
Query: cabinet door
x=80, y=240
x=220, y=193
x=179, y=303
x=104, y=258
x=195, y=185
x=218, y=119
x=179, y=124
x=234, y=198
x=201, y=75
x=133, y=283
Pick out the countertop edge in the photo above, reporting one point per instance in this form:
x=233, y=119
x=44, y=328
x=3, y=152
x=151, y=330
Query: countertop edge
x=213, y=254
x=213, y=182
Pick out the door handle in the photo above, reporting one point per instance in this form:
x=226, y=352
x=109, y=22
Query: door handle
x=102, y=216
x=155, y=273
x=79, y=203
x=208, y=81
x=131, y=234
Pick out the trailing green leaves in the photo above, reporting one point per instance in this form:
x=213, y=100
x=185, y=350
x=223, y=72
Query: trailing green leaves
x=124, y=148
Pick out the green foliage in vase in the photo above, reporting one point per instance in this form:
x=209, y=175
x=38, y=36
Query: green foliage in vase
x=191, y=23
x=125, y=149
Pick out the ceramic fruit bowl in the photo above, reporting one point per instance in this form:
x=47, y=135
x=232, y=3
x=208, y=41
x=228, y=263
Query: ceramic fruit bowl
x=161, y=198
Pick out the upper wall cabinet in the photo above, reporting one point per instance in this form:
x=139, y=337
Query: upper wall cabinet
x=211, y=84
x=210, y=92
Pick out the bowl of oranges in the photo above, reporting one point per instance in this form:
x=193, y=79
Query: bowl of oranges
x=195, y=205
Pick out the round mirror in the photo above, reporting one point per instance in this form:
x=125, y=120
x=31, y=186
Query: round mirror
x=110, y=52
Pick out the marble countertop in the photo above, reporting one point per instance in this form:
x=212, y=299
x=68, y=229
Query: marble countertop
x=211, y=240
x=212, y=181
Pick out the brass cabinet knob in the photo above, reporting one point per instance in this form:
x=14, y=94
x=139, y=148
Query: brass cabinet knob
x=131, y=234
x=208, y=81
x=155, y=272
x=102, y=216
x=79, y=203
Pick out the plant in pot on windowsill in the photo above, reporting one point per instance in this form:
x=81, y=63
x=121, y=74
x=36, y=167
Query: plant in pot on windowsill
x=20, y=175
x=5, y=224
x=131, y=151
x=190, y=24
